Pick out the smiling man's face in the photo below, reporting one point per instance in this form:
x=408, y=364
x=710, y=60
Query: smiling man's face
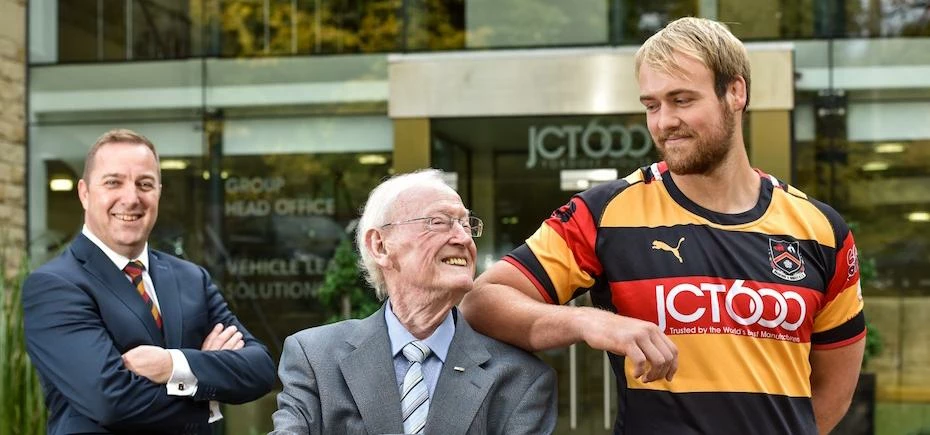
x=692, y=127
x=120, y=196
x=437, y=262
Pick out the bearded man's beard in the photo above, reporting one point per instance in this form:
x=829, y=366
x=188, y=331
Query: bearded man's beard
x=706, y=153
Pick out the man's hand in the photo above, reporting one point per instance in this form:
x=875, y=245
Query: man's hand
x=506, y=305
x=652, y=353
x=151, y=362
x=220, y=338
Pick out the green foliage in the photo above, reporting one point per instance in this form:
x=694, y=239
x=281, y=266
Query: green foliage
x=344, y=291
x=873, y=338
x=22, y=410
x=873, y=343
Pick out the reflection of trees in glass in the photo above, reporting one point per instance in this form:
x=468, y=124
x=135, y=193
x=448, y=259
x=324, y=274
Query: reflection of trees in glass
x=768, y=20
x=888, y=17
x=645, y=18
x=340, y=175
x=521, y=23
x=306, y=28
x=274, y=27
x=852, y=18
x=435, y=24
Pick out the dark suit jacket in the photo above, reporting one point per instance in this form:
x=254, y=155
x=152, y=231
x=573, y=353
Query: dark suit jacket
x=81, y=314
x=339, y=379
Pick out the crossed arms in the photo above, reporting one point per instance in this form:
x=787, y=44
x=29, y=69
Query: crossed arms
x=72, y=348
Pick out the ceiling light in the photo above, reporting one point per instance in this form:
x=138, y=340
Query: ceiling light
x=602, y=174
x=372, y=159
x=919, y=216
x=573, y=180
x=61, y=184
x=875, y=166
x=889, y=148
x=173, y=165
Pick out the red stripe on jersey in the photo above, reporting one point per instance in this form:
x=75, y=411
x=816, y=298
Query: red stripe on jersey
x=709, y=305
x=575, y=225
x=845, y=342
x=847, y=269
x=539, y=287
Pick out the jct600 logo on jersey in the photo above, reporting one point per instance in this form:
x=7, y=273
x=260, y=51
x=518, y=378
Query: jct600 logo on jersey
x=721, y=305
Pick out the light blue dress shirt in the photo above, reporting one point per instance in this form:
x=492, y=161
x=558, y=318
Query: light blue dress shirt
x=438, y=343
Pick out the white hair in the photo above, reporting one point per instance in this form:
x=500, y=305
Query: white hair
x=378, y=209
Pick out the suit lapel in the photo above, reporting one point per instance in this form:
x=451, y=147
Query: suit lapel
x=369, y=374
x=169, y=299
x=460, y=393
x=98, y=265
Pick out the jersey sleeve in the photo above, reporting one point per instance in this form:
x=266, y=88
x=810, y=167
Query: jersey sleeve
x=559, y=258
x=840, y=321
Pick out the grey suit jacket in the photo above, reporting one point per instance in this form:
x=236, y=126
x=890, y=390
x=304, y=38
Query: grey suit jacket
x=339, y=379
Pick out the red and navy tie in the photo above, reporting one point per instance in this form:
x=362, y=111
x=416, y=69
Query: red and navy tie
x=134, y=269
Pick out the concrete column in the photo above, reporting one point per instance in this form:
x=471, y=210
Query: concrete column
x=770, y=142
x=411, y=144
x=12, y=129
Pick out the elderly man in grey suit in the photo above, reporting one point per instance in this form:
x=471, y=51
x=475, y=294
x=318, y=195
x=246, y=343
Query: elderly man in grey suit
x=415, y=366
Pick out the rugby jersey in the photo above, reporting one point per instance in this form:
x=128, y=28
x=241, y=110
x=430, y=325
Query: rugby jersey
x=743, y=296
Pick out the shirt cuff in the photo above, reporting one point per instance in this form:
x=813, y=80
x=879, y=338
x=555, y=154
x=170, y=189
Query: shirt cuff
x=182, y=381
x=215, y=414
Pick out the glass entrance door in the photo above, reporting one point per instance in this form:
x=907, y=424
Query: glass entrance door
x=513, y=172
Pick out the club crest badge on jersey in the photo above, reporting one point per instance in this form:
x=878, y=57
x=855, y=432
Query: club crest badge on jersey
x=565, y=212
x=786, y=260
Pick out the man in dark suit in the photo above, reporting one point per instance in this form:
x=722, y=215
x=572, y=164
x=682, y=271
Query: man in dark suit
x=127, y=339
x=415, y=366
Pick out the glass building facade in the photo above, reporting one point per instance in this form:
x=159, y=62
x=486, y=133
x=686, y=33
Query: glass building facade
x=274, y=118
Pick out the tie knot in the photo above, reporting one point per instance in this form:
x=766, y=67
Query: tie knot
x=134, y=268
x=416, y=351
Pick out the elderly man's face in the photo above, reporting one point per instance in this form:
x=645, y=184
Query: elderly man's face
x=430, y=260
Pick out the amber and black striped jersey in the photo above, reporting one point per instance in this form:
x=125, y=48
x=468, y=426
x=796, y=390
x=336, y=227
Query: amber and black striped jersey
x=743, y=296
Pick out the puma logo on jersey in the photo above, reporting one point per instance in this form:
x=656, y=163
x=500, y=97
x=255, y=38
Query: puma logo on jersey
x=660, y=245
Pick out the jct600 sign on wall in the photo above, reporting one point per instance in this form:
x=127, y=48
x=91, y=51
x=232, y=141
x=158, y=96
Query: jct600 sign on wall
x=593, y=145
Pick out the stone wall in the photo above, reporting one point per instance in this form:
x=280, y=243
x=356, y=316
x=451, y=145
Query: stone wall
x=12, y=127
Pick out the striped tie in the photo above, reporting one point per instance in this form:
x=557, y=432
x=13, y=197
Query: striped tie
x=134, y=269
x=415, y=395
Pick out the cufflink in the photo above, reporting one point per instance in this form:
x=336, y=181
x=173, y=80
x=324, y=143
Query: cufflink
x=181, y=387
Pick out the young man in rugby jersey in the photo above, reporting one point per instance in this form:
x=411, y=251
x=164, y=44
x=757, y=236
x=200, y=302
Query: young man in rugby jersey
x=729, y=301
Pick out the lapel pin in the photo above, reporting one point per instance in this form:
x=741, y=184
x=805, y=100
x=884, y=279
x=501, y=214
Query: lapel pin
x=458, y=369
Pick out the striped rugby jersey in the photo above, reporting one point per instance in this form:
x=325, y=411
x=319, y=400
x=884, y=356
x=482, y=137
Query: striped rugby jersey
x=744, y=297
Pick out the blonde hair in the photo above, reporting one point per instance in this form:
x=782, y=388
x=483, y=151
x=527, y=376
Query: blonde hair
x=708, y=41
x=119, y=135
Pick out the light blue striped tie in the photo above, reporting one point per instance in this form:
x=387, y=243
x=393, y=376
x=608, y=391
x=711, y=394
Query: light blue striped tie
x=415, y=395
